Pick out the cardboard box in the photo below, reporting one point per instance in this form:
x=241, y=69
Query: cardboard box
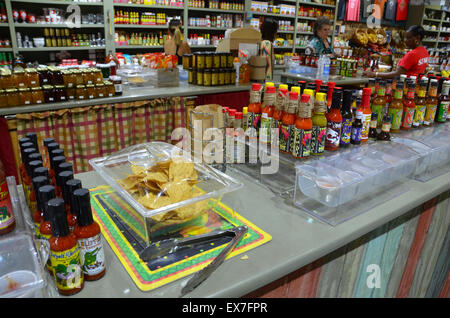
x=242, y=35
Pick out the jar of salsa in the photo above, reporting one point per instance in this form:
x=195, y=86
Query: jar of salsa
x=87, y=76
x=13, y=97
x=78, y=76
x=221, y=76
x=100, y=90
x=216, y=60
x=68, y=78
x=214, y=77
x=187, y=61
x=208, y=60
x=19, y=79
x=71, y=93
x=109, y=89
x=97, y=76
x=43, y=76
x=227, y=76
x=32, y=77
x=81, y=92
x=223, y=60
x=6, y=79
x=200, y=59
x=60, y=95
x=90, y=88
x=200, y=77
x=37, y=96
x=207, y=77
x=230, y=59
x=190, y=75
x=232, y=76
x=25, y=96
x=3, y=98
x=117, y=81
x=49, y=96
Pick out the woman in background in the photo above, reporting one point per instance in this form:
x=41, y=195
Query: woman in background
x=269, y=29
x=174, y=45
x=319, y=43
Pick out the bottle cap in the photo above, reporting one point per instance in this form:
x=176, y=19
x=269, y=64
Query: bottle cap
x=46, y=193
x=268, y=84
x=35, y=156
x=271, y=90
x=38, y=182
x=245, y=110
x=65, y=166
x=33, y=138
x=225, y=109
x=283, y=86
x=231, y=112
x=256, y=87
x=331, y=84
x=308, y=91
x=399, y=85
x=40, y=171
x=58, y=219
x=295, y=89
x=305, y=98
x=374, y=116
x=321, y=97
x=26, y=152
x=61, y=180
x=347, y=97
x=238, y=115
x=48, y=141
x=52, y=146
x=33, y=165
x=318, y=82
x=85, y=216
x=25, y=140
x=71, y=186
x=56, y=153
x=56, y=161
x=367, y=91
x=336, y=99
x=387, y=118
x=293, y=95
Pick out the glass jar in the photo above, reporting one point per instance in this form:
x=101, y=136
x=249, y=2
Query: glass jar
x=187, y=61
x=37, y=96
x=223, y=60
x=230, y=59
x=6, y=79
x=221, y=76
x=193, y=62
x=78, y=74
x=117, y=81
x=190, y=75
x=216, y=60
x=48, y=91
x=32, y=77
x=100, y=91
x=105, y=69
x=97, y=76
x=90, y=88
x=109, y=89
x=56, y=77
x=87, y=76
x=68, y=78
x=25, y=96
x=3, y=98
x=200, y=77
x=43, y=76
x=214, y=77
x=60, y=93
x=19, y=79
x=232, y=76
x=71, y=93
x=207, y=77
x=227, y=76
x=81, y=92
x=200, y=61
x=12, y=94
x=208, y=60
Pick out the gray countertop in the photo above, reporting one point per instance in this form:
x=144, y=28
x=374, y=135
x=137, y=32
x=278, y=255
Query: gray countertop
x=131, y=95
x=297, y=240
x=339, y=80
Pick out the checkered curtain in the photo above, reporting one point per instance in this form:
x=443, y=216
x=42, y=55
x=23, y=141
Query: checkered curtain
x=95, y=131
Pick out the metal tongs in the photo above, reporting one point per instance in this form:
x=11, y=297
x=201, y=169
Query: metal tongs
x=169, y=246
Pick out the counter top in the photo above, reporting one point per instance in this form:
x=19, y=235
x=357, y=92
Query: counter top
x=339, y=80
x=131, y=95
x=297, y=240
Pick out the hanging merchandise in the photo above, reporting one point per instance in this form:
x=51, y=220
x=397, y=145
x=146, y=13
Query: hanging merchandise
x=402, y=10
x=365, y=12
x=391, y=10
x=352, y=10
x=341, y=9
x=378, y=13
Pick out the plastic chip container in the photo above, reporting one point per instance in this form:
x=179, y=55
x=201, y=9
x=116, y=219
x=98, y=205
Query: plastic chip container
x=210, y=186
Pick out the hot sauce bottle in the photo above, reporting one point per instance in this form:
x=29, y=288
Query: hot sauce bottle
x=334, y=123
x=46, y=193
x=268, y=109
x=432, y=101
x=26, y=181
x=301, y=146
x=72, y=212
x=379, y=103
x=64, y=252
x=384, y=135
x=7, y=219
x=38, y=182
x=280, y=106
x=287, y=123
x=408, y=107
x=357, y=129
x=89, y=238
x=444, y=103
x=319, y=125
x=32, y=165
x=395, y=109
x=371, y=85
x=331, y=86
x=421, y=105
x=254, y=109
x=389, y=89
x=347, y=118
x=366, y=114
x=24, y=143
x=311, y=102
x=373, y=127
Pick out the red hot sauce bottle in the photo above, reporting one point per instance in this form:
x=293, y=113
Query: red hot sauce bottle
x=73, y=210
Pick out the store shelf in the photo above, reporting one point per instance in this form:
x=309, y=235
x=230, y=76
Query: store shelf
x=286, y=32
x=132, y=47
x=304, y=33
x=59, y=25
x=306, y=18
x=4, y=25
x=317, y=4
x=432, y=20
x=215, y=10
x=300, y=47
x=432, y=31
x=203, y=46
x=283, y=47
x=274, y=15
x=132, y=5
x=61, y=48
x=5, y=49
x=55, y=2
x=139, y=26
x=207, y=28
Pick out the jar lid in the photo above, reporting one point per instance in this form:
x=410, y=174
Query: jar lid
x=107, y=83
x=23, y=89
x=187, y=55
x=100, y=85
x=208, y=70
x=80, y=86
x=11, y=90
x=37, y=88
x=42, y=68
x=90, y=85
x=5, y=71
x=47, y=87
x=30, y=70
x=19, y=71
x=59, y=86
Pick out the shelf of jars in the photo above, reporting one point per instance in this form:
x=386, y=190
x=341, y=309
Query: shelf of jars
x=6, y=49
x=61, y=48
x=148, y=6
x=45, y=2
x=330, y=4
x=56, y=25
x=215, y=10
x=207, y=28
x=4, y=25
x=139, y=26
x=131, y=47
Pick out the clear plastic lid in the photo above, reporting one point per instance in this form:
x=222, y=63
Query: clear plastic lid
x=161, y=181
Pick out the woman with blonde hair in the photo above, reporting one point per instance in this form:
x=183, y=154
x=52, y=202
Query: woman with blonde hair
x=174, y=44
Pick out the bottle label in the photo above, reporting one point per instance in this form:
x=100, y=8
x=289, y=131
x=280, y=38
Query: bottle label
x=386, y=127
x=67, y=269
x=266, y=124
x=396, y=117
x=285, y=137
x=118, y=88
x=356, y=133
x=408, y=116
x=419, y=115
x=37, y=232
x=379, y=110
x=92, y=255
x=346, y=131
x=366, y=126
x=442, y=112
x=430, y=113
x=333, y=134
x=6, y=215
x=318, y=137
x=301, y=146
